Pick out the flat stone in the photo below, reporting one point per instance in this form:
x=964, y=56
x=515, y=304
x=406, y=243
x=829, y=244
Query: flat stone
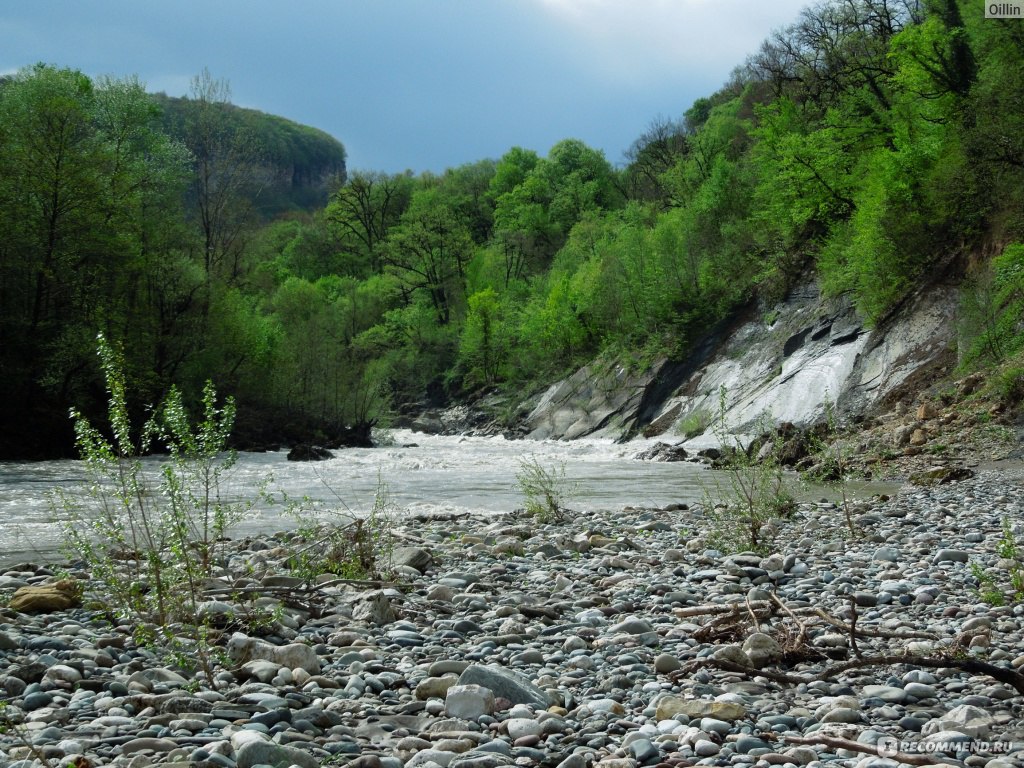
x=147, y=744
x=668, y=706
x=951, y=556
x=411, y=557
x=263, y=752
x=469, y=702
x=506, y=684
x=435, y=687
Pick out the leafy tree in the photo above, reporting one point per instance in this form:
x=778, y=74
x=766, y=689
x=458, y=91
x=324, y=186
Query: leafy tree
x=87, y=203
x=362, y=212
x=225, y=186
x=428, y=251
x=484, y=343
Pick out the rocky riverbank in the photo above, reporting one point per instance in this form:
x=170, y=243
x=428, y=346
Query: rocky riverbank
x=613, y=639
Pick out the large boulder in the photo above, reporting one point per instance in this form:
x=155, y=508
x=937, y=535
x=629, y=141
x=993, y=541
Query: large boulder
x=506, y=684
x=663, y=452
x=242, y=649
x=304, y=452
x=46, y=598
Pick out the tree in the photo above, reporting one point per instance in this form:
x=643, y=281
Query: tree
x=87, y=204
x=225, y=182
x=363, y=211
x=429, y=251
x=653, y=154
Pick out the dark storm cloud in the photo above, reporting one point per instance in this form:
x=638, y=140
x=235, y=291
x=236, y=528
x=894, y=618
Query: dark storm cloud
x=419, y=84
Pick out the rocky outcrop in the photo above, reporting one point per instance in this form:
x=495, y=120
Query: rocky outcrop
x=785, y=364
x=309, y=453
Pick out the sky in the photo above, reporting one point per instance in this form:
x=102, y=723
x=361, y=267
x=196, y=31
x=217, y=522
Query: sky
x=419, y=85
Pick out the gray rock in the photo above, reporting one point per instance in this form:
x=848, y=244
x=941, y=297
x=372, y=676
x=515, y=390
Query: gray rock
x=411, y=557
x=374, y=608
x=973, y=721
x=575, y=760
x=150, y=744
x=843, y=715
x=434, y=687
x=643, y=750
x=732, y=653
x=762, y=649
x=919, y=690
x=705, y=748
x=665, y=663
x=887, y=554
x=469, y=701
x=632, y=627
x=294, y=655
x=744, y=744
x=261, y=752
x=951, y=556
x=427, y=757
x=518, y=727
x=506, y=684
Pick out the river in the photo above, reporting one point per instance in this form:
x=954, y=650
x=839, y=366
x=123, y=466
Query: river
x=422, y=473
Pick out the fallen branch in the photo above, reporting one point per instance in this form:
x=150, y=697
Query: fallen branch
x=881, y=633
x=835, y=742
x=713, y=610
x=1003, y=675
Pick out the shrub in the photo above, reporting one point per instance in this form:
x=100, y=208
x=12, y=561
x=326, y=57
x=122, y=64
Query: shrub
x=545, y=491
x=149, y=549
x=351, y=548
x=754, y=496
x=1009, y=386
x=994, y=584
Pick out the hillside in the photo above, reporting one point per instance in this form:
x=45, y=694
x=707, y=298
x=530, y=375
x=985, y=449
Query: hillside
x=294, y=165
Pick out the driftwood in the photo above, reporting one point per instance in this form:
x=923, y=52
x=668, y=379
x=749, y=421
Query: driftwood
x=1008, y=676
x=835, y=742
x=730, y=620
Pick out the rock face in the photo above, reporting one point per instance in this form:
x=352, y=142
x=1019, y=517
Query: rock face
x=816, y=351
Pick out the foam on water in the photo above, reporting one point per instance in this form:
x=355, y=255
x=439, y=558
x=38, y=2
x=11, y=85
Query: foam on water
x=440, y=474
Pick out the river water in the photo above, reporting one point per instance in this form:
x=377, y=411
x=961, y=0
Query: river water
x=422, y=473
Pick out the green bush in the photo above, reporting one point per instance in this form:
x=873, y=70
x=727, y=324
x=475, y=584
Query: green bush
x=149, y=545
x=545, y=491
x=742, y=510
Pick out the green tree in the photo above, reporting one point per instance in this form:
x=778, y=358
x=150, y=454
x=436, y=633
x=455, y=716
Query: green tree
x=362, y=212
x=224, y=186
x=428, y=250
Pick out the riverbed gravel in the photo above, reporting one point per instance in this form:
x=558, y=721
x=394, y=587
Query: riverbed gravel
x=594, y=641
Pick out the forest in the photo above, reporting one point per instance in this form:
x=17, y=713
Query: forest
x=878, y=144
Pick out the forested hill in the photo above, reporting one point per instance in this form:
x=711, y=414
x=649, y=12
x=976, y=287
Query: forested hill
x=295, y=165
x=875, y=144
